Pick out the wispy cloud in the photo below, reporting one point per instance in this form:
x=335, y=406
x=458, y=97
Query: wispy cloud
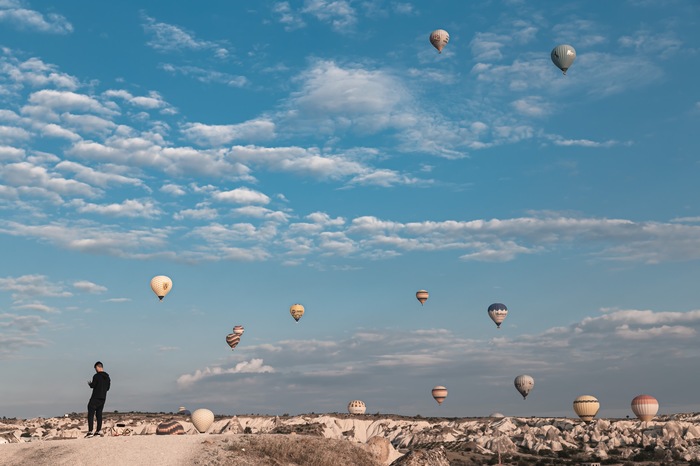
x=89, y=287
x=254, y=366
x=206, y=75
x=27, y=287
x=170, y=38
x=18, y=14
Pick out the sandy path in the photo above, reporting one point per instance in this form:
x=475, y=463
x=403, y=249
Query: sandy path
x=147, y=450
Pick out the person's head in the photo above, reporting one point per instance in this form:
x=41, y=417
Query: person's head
x=98, y=366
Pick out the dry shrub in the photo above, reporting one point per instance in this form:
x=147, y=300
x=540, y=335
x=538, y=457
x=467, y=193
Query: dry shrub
x=291, y=450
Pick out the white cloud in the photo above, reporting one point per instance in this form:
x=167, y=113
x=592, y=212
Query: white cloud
x=97, y=177
x=25, y=174
x=242, y=195
x=89, y=287
x=291, y=19
x=254, y=366
x=9, y=153
x=218, y=135
x=338, y=13
x=204, y=213
x=130, y=208
x=15, y=13
x=31, y=286
x=38, y=307
x=66, y=101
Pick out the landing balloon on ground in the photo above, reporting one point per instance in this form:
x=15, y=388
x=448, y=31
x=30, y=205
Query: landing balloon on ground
x=586, y=407
x=498, y=313
x=234, y=338
x=524, y=383
x=297, y=310
x=439, y=393
x=563, y=57
x=439, y=38
x=161, y=286
x=422, y=296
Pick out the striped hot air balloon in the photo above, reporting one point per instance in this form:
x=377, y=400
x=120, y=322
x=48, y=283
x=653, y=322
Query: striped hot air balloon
x=586, y=407
x=645, y=407
x=170, y=428
x=422, y=296
x=439, y=393
x=563, y=57
x=234, y=338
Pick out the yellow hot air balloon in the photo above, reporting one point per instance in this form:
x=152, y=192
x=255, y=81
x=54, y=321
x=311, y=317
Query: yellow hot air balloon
x=439, y=38
x=422, y=296
x=439, y=393
x=161, y=286
x=586, y=407
x=297, y=310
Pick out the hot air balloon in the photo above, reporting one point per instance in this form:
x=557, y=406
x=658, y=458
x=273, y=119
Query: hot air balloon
x=357, y=407
x=422, y=296
x=202, y=419
x=524, y=383
x=439, y=38
x=170, y=428
x=234, y=338
x=297, y=310
x=161, y=285
x=498, y=313
x=586, y=407
x=439, y=393
x=645, y=407
x=563, y=56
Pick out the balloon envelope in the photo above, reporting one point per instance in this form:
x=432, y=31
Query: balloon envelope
x=234, y=338
x=439, y=38
x=439, y=393
x=170, y=428
x=297, y=310
x=524, y=383
x=563, y=57
x=202, y=419
x=422, y=296
x=357, y=407
x=161, y=285
x=498, y=313
x=645, y=407
x=586, y=407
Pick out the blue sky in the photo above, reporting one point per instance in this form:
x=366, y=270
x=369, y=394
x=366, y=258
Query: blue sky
x=323, y=152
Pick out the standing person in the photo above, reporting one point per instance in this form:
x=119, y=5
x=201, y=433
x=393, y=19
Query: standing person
x=100, y=385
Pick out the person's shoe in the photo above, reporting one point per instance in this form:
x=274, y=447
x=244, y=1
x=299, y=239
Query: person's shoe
x=89, y=434
x=98, y=434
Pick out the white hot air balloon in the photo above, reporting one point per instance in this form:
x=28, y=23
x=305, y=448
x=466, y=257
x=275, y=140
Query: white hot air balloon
x=439, y=38
x=296, y=310
x=202, y=419
x=357, y=407
x=524, y=383
x=586, y=407
x=563, y=57
x=161, y=286
x=645, y=407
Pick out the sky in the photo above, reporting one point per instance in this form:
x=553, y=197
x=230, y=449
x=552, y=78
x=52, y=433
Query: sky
x=322, y=152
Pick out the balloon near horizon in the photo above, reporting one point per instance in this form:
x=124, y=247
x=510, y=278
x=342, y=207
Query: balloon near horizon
x=202, y=419
x=498, y=312
x=586, y=407
x=645, y=407
x=524, y=383
x=357, y=407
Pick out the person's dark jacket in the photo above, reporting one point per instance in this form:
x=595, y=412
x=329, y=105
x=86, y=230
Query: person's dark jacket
x=100, y=384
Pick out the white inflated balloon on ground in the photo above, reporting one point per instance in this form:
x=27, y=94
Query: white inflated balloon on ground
x=202, y=419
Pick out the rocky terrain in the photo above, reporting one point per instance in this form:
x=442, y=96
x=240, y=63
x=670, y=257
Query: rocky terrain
x=426, y=441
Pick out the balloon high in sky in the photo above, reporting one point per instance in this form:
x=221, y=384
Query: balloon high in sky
x=439, y=38
x=161, y=286
x=563, y=57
